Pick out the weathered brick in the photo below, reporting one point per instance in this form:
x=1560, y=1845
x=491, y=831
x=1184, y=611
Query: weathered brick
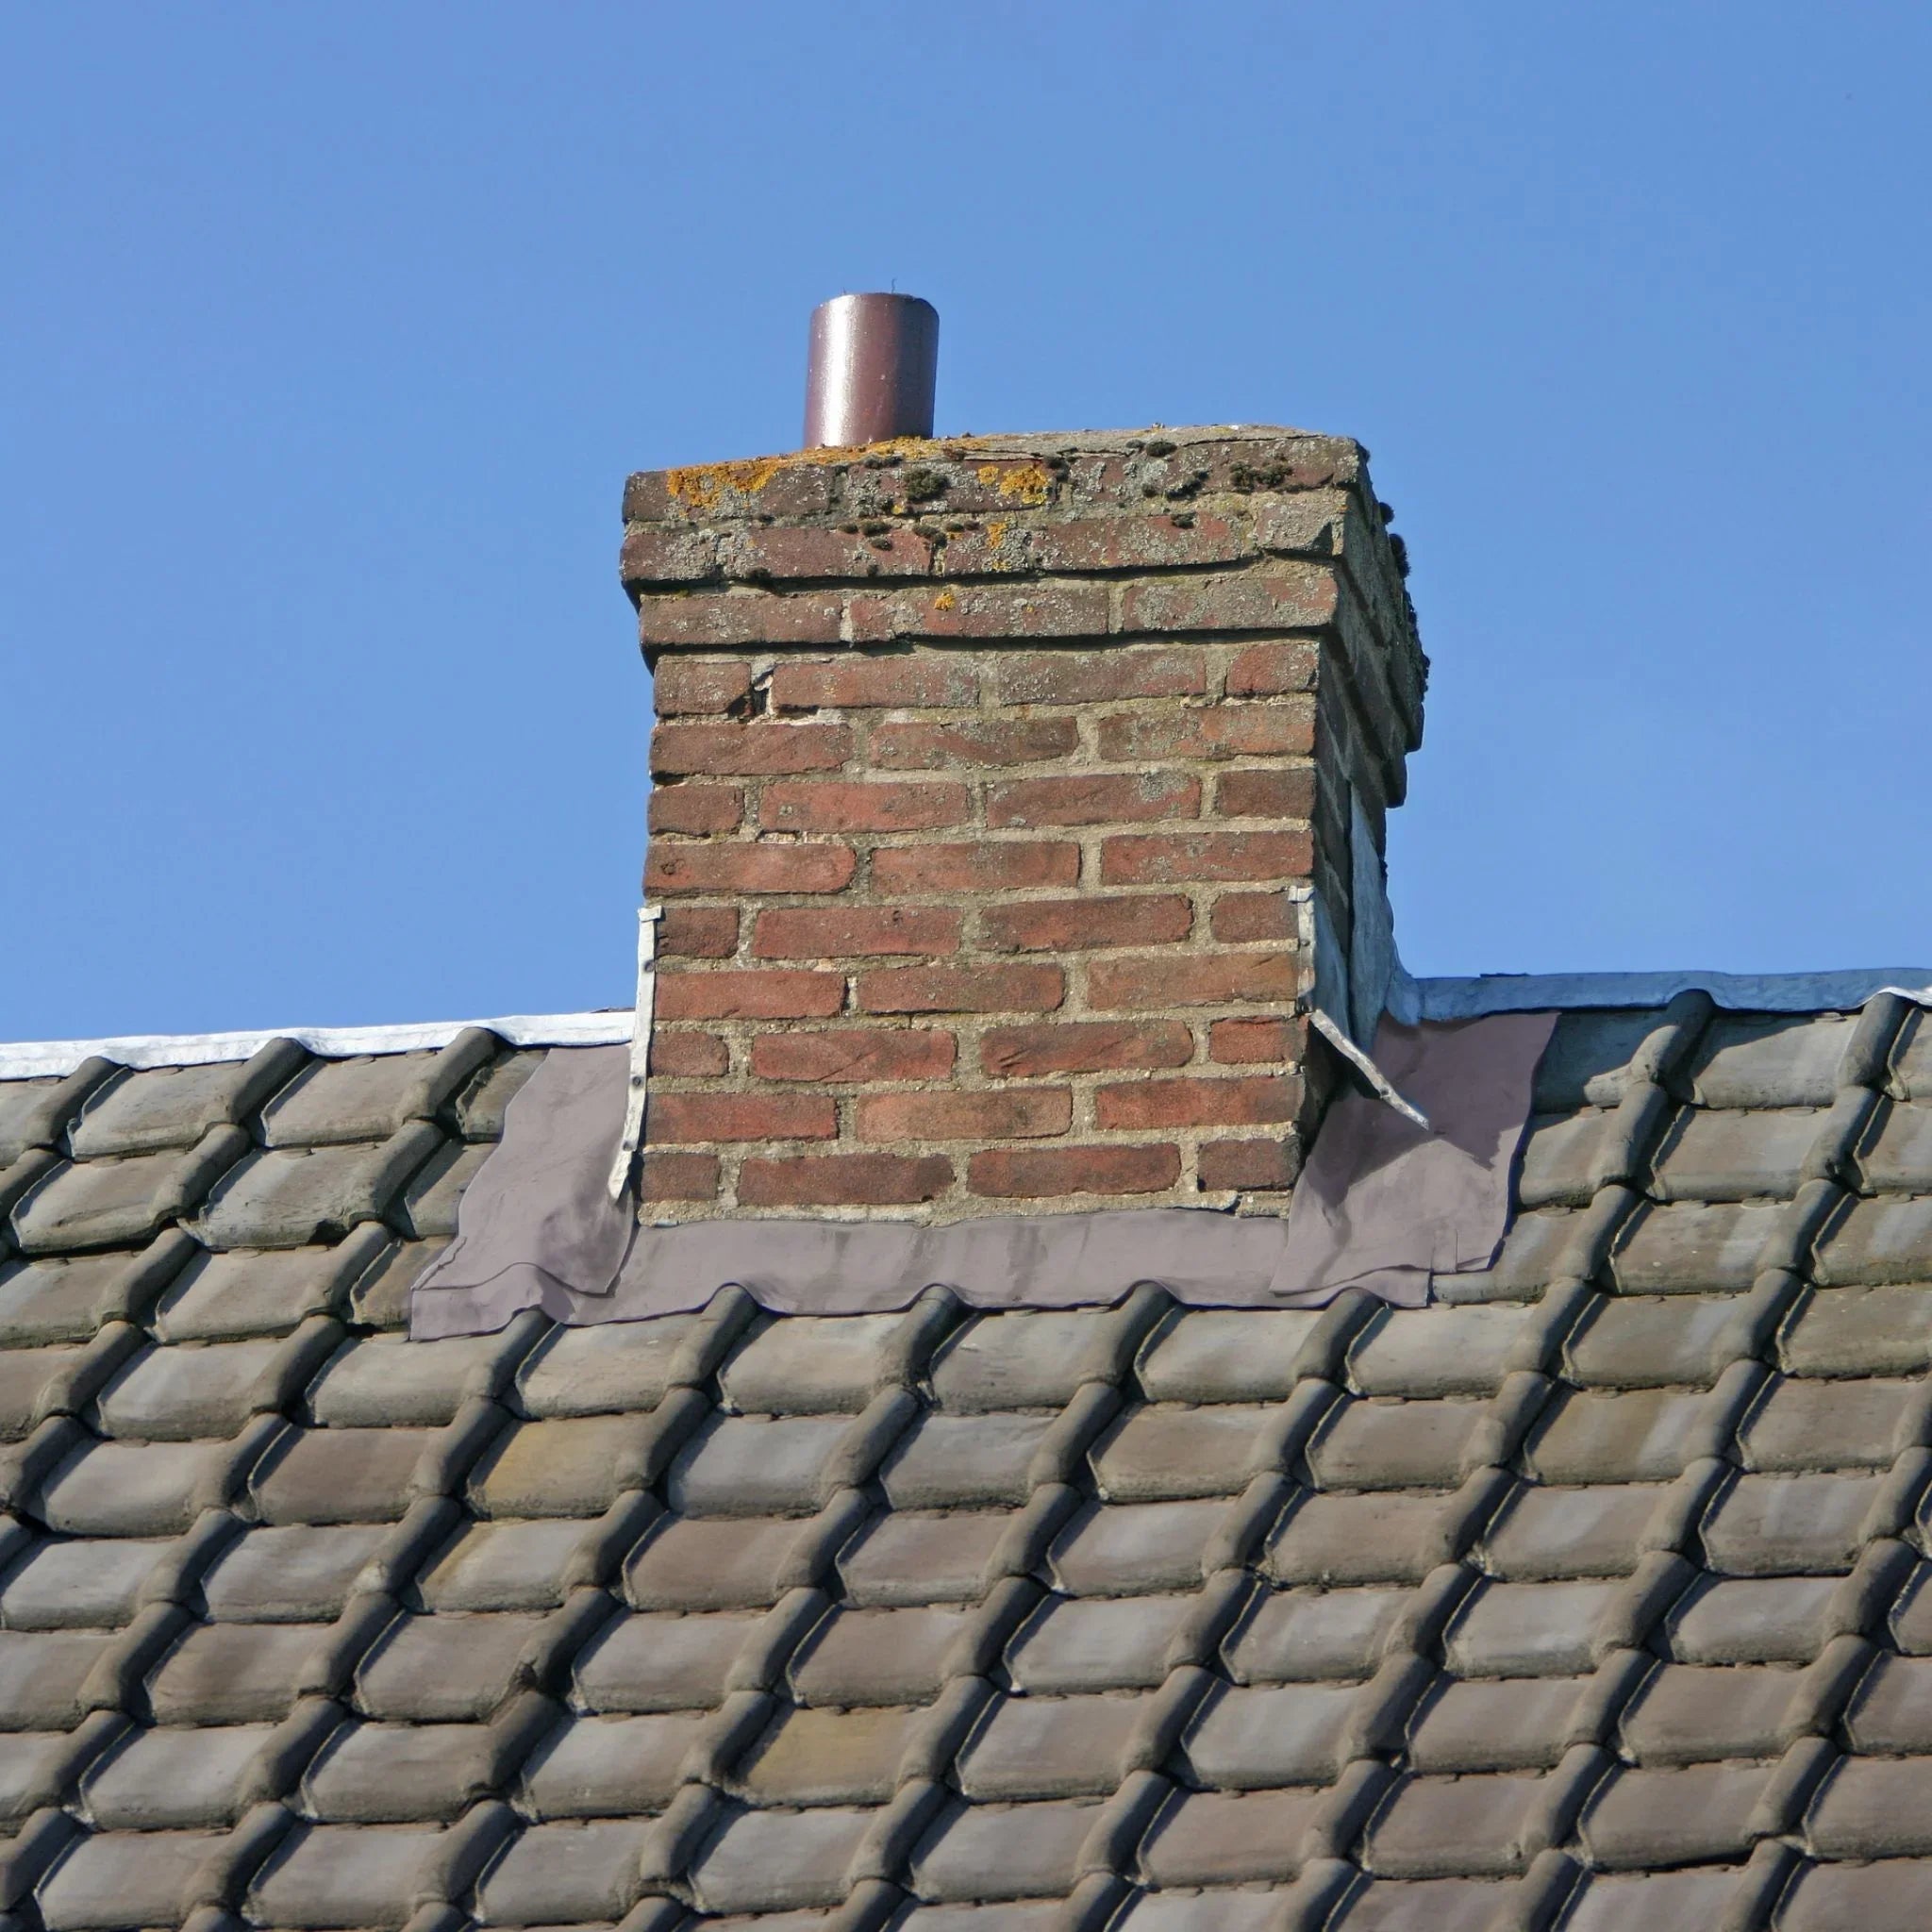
x=842, y=1180
x=1228, y=1164
x=1084, y=1046
x=1266, y=671
x=1240, y=917
x=1091, y=677
x=698, y=619
x=684, y=687
x=1008, y=1114
x=962, y=990
x=980, y=610
x=697, y=932
x=1034, y=1174
x=675, y=1118
x=659, y=556
x=688, y=1056
x=854, y=1055
x=1284, y=727
x=830, y=805
x=998, y=865
x=836, y=932
x=803, y=553
x=677, y=1177
x=1166, y=859
x=759, y=748
x=898, y=746
x=1310, y=523
x=800, y=485
x=742, y=868
x=860, y=681
x=1052, y=926
x=1159, y=980
x=1228, y=1101
x=696, y=808
x=1239, y=1042
x=1093, y=799
x=1282, y=597
x=1153, y=541
x=772, y=994
x=1288, y=792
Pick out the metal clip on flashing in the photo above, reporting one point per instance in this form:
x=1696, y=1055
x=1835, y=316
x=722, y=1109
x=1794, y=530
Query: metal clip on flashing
x=622, y=1167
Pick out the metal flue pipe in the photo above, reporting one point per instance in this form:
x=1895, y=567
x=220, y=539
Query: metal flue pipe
x=873, y=362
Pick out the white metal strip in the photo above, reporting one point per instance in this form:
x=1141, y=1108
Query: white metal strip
x=633, y=1136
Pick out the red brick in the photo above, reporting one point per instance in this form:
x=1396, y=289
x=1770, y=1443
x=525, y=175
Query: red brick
x=1285, y=728
x=1084, y=1046
x=1190, y=980
x=909, y=747
x=836, y=932
x=678, y=1177
x=1261, y=1101
x=1155, y=541
x=1034, y=1174
x=650, y=556
x=1166, y=859
x=1225, y=1164
x=831, y=805
x=1242, y=1042
x=688, y=1056
x=1053, y=925
x=805, y=552
x=855, y=1053
x=754, y=995
x=1027, y=1113
x=842, y=1180
x=741, y=868
x=723, y=618
x=683, y=685
x=1281, y=597
x=1091, y=677
x=1244, y=916
x=1093, y=799
x=926, y=677
x=794, y=487
x=995, y=866
x=962, y=990
x=685, y=1117
x=762, y=749
x=1266, y=671
x=1285, y=794
x=687, y=808
x=697, y=932
x=982, y=610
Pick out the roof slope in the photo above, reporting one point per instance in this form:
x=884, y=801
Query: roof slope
x=1595, y=1599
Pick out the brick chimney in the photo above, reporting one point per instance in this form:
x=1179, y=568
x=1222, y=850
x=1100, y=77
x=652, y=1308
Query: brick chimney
x=1012, y=796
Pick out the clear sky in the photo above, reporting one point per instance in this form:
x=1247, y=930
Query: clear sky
x=331, y=332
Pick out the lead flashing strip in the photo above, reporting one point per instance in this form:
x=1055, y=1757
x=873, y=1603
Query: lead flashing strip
x=1737, y=992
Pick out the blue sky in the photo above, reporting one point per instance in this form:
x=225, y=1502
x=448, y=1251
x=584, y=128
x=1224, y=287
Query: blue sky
x=332, y=332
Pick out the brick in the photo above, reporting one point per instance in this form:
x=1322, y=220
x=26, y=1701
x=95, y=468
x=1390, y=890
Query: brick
x=1155, y=859
x=1155, y=540
x=806, y=553
x=1240, y=917
x=1084, y=1046
x=648, y=557
x=1266, y=671
x=760, y=748
x=835, y=932
x=678, y=1177
x=1283, y=727
x=688, y=685
x=1093, y=799
x=688, y=1056
x=995, y=866
x=843, y=1180
x=753, y=995
x=1288, y=793
x=1011, y=1114
x=912, y=747
x=830, y=805
x=1090, y=677
x=1033, y=1173
x=962, y=990
x=926, y=677
x=855, y=1053
x=1235, y=1102
x=989, y=611
x=1053, y=925
x=687, y=808
x=799, y=486
x=1225, y=1164
x=684, y=1117
x=694, y=619
x=697, y=932
x=1190, y=980
x=1239, y=1042
x=1281, y=597
x=744, y=868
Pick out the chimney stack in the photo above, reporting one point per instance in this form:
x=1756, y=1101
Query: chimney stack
x=873, y=362
x=1011, y=796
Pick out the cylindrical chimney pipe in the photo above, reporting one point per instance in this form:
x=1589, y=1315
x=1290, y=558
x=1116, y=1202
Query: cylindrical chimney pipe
x=873, y=362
